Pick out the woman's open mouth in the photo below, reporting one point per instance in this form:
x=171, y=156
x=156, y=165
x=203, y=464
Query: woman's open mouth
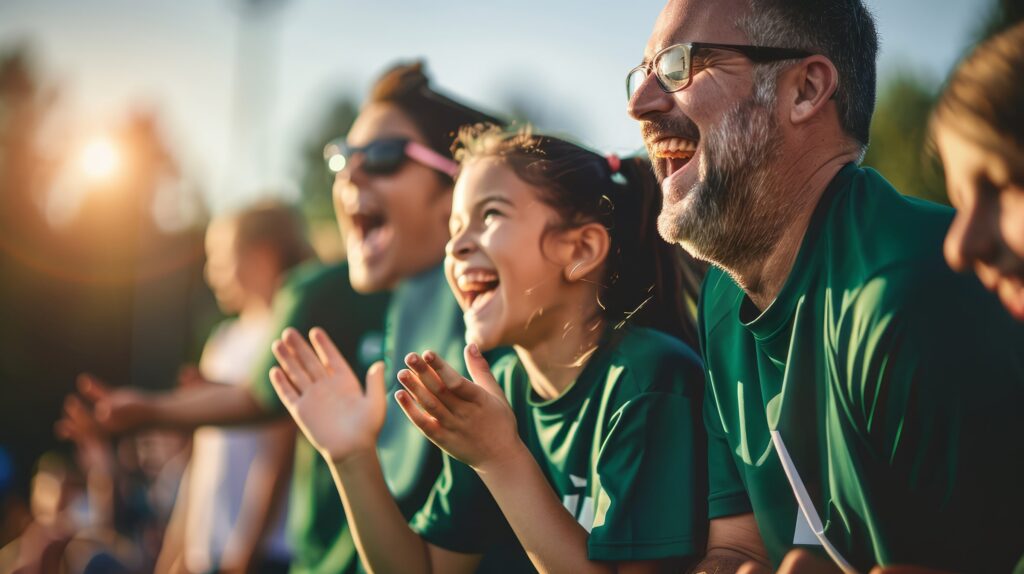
x=369, y=235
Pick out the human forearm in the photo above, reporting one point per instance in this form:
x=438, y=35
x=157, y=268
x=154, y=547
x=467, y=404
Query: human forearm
x=215, y=404
x=552, y=538
x=382, y=536
x=720, y=562
x=732, y=542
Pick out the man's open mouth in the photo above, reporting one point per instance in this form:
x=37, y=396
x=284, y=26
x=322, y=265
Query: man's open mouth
x=673, y=154
x=477, y=287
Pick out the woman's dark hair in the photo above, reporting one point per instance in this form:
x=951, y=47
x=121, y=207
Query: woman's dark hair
x=646, y=280
x=276, y=226
x=437, y=116
x=984, y=96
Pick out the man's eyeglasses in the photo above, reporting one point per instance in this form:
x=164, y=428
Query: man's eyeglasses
x=673, y=66
x=386, y=156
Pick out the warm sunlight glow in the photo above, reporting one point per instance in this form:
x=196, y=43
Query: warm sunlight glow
x=100, y=158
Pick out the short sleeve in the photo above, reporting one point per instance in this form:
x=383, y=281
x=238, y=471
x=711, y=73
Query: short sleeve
x=650, y=489
x=727, y=496
x=317, y=296
x=460, y=515
x=290, y=310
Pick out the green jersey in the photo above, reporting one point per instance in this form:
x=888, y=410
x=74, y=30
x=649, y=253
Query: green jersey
x=622, y=447
x=421, y=313
x=893, y=384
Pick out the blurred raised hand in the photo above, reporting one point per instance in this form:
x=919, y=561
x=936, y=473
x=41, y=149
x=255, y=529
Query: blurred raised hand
x=323, y=395
x=93, y=448
x=115, y=410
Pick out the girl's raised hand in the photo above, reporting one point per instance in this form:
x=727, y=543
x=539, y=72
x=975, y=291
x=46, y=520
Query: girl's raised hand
x=323, y=395
x=470, y=420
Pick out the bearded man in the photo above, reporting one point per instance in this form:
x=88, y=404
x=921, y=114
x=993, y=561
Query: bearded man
x=863, y=400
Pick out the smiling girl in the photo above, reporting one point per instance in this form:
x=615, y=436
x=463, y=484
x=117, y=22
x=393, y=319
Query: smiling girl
x=586, y=445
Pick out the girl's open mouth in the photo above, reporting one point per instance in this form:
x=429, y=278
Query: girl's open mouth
x=476, y=288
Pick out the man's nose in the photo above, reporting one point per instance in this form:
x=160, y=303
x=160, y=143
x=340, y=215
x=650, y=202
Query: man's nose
x=648, y=99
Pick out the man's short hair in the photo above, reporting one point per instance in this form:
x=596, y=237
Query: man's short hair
x=841, y=30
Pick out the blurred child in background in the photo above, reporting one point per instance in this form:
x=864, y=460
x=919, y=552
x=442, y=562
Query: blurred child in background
x=230, y=511
x=978, y=128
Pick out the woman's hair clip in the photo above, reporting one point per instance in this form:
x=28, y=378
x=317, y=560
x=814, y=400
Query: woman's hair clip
x=614, y=163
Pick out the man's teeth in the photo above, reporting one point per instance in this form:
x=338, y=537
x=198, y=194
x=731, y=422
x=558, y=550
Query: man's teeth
x=676, y=148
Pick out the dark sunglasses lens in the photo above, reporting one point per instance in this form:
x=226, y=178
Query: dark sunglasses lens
x=634, y=80
x=384, y=157
x=673, y=67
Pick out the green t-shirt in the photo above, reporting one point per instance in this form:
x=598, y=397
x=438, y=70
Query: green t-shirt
x=421, y=313
x=622, y=447
x=894, y=384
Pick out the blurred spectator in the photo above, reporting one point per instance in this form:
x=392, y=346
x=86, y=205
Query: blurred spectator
x=230, y=514
x=978, y=127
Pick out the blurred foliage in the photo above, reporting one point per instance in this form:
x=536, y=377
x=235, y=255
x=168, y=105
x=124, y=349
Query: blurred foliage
x=898, y=148
x=315, y=179
x=1001, y=15
x=108, y=291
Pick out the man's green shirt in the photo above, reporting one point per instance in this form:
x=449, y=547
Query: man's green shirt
x=894, y=384
x=622, y=447
x=421, y=313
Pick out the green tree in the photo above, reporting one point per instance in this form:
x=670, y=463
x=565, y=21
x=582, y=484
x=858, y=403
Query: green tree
x=315, y=179
x=899, y=136
x=1002, y=15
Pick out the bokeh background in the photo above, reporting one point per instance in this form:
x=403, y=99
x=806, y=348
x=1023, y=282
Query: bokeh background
x=124, y=124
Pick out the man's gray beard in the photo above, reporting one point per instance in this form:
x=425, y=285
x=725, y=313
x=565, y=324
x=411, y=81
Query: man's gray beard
x=729, y=217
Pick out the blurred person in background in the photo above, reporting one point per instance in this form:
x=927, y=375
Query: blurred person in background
x=106, y=511
x=59, y=508
x=978, y=129
x=230, y=511
x=392, y=199
x=863, y=400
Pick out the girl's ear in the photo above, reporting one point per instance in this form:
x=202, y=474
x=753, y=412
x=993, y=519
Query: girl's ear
x=589, y=249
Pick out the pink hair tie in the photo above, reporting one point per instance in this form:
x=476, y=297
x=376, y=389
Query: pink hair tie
x=614, y=162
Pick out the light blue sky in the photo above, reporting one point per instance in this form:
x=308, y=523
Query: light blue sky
x=179, y=58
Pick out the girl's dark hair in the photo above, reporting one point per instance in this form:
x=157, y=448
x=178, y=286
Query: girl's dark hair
x=277, y=226
x=647, y=281
x=983, y=98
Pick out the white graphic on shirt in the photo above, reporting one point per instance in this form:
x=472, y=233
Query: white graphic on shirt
x=572, y=503
x=803, y=534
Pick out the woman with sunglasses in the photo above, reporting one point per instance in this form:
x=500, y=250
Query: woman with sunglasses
x=393, y=196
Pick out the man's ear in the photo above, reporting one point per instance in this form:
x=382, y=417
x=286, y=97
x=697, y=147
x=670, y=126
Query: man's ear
x=809, y=87
x=588, y=249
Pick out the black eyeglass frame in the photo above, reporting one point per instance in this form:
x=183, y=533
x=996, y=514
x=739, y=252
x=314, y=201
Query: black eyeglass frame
x=756, y=54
